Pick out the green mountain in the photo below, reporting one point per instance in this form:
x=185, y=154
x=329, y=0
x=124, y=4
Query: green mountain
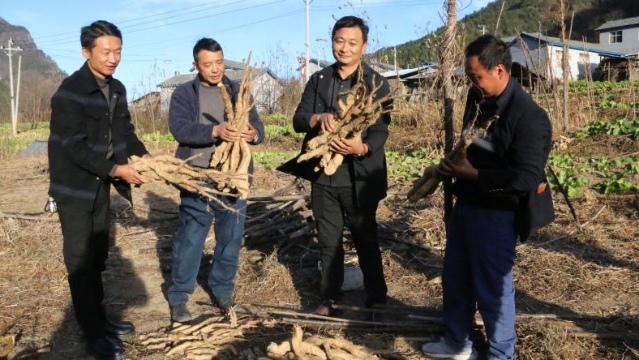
x=38, y=74
x=517, y=16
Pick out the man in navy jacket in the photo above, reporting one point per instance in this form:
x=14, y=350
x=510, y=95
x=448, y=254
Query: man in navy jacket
x=90, y=141
x=197, y=121
x=506, y=160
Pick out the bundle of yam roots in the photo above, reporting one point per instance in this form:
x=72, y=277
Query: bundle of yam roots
x=229, y=167
x=358, y=110
x=317, y=347
x=430, y=180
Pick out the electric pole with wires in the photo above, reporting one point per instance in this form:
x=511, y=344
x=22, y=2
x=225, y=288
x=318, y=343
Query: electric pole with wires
x=10, y=51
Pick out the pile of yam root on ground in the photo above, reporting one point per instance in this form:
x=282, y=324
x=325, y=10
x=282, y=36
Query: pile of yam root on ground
x=214, y=336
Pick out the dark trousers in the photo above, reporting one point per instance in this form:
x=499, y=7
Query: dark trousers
x=85, y=250
x=331, y=205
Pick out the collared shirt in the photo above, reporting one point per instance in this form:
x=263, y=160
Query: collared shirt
x=104, y=87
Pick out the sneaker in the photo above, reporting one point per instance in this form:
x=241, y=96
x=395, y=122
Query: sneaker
x=179, y=313
x=441, y=350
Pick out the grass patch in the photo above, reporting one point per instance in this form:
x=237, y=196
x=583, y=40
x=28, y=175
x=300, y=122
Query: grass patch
x=11, y=146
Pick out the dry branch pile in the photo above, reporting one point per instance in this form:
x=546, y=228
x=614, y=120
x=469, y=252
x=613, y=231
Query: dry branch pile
x=235, y=158
x=428, y=183
x=358, y=110
x=284, y=215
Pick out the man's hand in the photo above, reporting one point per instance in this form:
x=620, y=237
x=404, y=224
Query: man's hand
x=463, y=170
x=226, y=132
x=325, y=120
x=250, y=135
x=353, y=146
x=129, y=174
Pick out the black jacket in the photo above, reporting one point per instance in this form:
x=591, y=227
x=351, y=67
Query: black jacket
x=369, y=173
x=521, y=138
x=78, y=140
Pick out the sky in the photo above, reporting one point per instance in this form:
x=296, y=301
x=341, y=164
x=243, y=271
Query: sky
x=158, y=35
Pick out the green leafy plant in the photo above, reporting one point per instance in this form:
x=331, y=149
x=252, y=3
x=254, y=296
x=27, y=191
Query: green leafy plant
x=273, y=159
x=564, y=166
x=615, y=127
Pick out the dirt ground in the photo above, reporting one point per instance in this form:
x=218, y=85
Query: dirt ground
x=577, y=286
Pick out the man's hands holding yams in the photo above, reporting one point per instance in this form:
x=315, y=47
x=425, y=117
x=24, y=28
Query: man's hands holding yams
x=228, y=133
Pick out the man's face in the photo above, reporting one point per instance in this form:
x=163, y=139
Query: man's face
x=348, y=45
x=105, y=56
x=210, y=65
x=489, y=81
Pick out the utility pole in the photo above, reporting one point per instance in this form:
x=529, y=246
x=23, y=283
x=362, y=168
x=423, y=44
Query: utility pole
x=317, y=41
x=308, y=40
x=395, y=59
x=10, y=50
x=483, y=28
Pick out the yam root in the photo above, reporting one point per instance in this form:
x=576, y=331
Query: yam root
x=177, y=172
x=428, y=183
x=302, y=348
x=235, y=158
x=358, y=110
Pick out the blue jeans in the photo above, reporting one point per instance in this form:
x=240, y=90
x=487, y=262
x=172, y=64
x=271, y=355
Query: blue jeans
x=196, y=216
x=478, y=275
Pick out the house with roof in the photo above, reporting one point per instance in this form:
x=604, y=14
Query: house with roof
x=412, y=82
x=314, y=65
x=620, y=35
x=542, y=55
x=267, y=88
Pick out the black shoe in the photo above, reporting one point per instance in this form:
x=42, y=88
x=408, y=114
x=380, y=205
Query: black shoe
x=378, y=316
x=103, y=348
x=122, y=330
x=225, y=304
x=179, y=313
x=379, y=313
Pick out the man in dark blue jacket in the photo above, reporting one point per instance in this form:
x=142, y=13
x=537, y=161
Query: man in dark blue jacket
x=197, y=121
x=505, y=161
x=90, y=141
x=353, y=192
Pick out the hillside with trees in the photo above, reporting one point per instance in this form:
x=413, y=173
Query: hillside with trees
x=516, y=16
x=39, y=74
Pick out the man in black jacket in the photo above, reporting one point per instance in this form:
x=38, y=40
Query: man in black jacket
x=198, y=122
x=506, y=159
x=351, y=195
x=91, y=138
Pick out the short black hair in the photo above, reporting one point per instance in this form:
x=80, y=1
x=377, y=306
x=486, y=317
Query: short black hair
x=88, y=34
x=349, y=22
x=491, y=51
x=206, y=44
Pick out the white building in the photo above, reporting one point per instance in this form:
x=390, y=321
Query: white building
x=266, y=90
x=620, y=35
x=543, y=55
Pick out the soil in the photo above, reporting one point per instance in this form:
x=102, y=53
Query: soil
x=577, y=287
